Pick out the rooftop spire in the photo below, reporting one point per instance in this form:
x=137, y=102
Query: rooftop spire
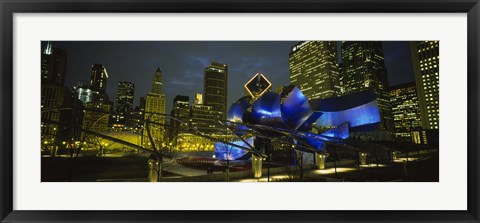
x=48, y=48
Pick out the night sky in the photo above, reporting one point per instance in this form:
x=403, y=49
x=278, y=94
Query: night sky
x=182, y=64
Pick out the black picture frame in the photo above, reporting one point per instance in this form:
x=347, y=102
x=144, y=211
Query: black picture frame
x=9, y=7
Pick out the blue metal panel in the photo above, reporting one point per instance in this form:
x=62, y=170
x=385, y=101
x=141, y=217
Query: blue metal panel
x=365, y=114
x=237, y=109
x=341, y=132
x=295, y=107
x=307, y=125
x=266, y=110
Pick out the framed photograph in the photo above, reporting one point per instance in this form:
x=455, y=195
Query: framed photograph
x=235, y=111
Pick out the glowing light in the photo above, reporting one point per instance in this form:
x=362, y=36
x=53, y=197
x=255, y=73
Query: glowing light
x=224, y=151
x=372, y=165
x=332, y=170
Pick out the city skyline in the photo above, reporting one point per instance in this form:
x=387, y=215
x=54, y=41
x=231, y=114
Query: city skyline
x=183, y=63
x=241, y=107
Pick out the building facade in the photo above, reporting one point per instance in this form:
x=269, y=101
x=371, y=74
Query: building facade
x=314, y=69
x=405, y=111
x=202, y=116
x=364, y=69
x=125, y=93
x=53, y=94
x=180, y=116
x=82, y=92
x=98, y=108
x=53, y=65
x=155, y=105
x=425, y=56
x=215, y=88
x=98, y=78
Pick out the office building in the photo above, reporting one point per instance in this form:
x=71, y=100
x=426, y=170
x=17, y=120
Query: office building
x=314, y=69
x=215, y=88
x=53, y=93
x=364, y=69
x=405, y=111
x=98, y=78
x=201, y=116
x=53, y=65
x=425, y=56
x=180, y=116
x=82, y=92
x=125, y=92
x=155, y=104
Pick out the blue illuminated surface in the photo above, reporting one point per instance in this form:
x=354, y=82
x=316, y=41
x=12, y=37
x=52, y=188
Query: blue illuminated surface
x=237, y=109
x=291, y=110
x=228, y=152
x=295, y=108
x=341, y=132
x=361, y=115
x=266, y=110
x=307, y=125
x=316, y=143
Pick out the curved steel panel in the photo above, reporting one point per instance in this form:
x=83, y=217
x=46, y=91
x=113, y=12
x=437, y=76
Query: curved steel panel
x=295, y=107
x=266, y=110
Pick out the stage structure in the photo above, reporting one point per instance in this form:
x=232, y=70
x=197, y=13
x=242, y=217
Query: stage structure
x=262, y=117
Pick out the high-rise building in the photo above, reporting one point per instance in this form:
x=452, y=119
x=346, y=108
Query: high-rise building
x=180, y=115
x=98, y=107
x=364, y=69
x=53, y=93
x=215, y=88
x=54, y=65
x=405, y=111
x=125, y=92
x=98, y=78
x=425, y=56
x=157, y=82
x=314, y=69
x=155, y=104
x=201, y=116
x=52, y=96
x=141, y=104
x=82, y=92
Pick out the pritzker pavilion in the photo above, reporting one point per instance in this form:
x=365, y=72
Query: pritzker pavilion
x=263, y=120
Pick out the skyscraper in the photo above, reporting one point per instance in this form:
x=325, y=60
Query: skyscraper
x=215, y=88
x=141, y=104
x=125, y=92
x=180, y=115
x=82, y=92
x=53, y=93
x=155, y=103
x=157, y=82
x=54, y=65
x=405, y=111
x=99, y=108
x=201, y=117
x=314, y=69
x=98, y=78
x=364, y=69
x=425, y=56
